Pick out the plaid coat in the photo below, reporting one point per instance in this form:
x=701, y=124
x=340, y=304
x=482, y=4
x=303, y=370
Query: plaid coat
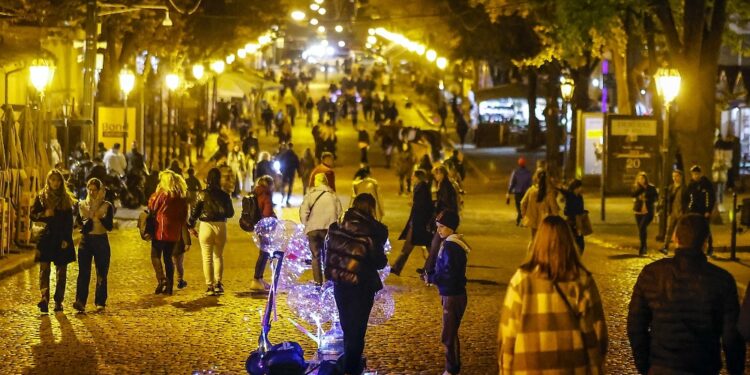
x=538, y=334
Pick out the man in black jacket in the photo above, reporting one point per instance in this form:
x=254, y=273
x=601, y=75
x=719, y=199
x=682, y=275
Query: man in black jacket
x=701, y=198
x=450, y=278
x=684, y=310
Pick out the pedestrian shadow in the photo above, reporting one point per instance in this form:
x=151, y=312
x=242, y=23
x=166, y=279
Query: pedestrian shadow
x=198, y=304
x=624, y=256
x=50, y=353
x=252, y=294
x=144, y=302
x=486, y=282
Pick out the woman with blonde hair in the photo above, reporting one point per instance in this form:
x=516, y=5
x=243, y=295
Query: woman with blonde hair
x=171, y=209
x=53, y=206
x=552, y=319
x=538, y=202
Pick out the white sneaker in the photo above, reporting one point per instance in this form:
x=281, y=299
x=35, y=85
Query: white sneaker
x=258, y=285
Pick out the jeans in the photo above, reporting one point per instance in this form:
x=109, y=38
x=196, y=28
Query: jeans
x=643, y=221
x=163, y=250
x=400, y=262
x=453, y=310
x=354, y=304
x=316, y=239
x=61, y=277
x=212, y=237
x=288, y=182
x=94, y=247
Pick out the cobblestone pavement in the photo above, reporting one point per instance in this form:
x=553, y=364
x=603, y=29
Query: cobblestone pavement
x=143, y=333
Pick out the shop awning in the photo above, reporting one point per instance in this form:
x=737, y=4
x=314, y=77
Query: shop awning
x=237, y=84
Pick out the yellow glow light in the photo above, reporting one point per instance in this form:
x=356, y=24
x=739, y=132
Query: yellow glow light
x=431, y=55
x=198, y=71
x=41, y=73
x=173, y=81
x=442, y=62
x=217, y=66
x=298, y=15
x=668, y=83
x=127, y=81
x=313, y=21
x=322, y=11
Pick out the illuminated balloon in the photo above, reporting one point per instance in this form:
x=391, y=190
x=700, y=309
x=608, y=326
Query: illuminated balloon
x=383, y=308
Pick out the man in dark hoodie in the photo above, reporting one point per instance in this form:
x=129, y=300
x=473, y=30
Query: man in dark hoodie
x=450, y=278
x=701, y=199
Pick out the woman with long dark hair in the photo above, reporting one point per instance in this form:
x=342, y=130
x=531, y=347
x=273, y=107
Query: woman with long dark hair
x=355, y=254
x=538, y=202
x=644, y=197
x=552, y=297
x=95, y=215
x=53, y=206
x=213, y=208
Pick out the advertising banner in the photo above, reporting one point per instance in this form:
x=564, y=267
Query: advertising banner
x=632, y=146
x=590, y=144
x=109, y=127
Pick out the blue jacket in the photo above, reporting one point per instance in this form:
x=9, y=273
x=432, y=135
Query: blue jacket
x=520, y=181
x=450, y=268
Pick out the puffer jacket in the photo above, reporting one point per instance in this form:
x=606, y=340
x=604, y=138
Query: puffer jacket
x=682, y=312
x=355, y=251
x=450, y=268
x=320, y=208
x=213, y=204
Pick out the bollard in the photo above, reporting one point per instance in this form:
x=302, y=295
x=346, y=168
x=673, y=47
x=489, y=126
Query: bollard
x=733, y=245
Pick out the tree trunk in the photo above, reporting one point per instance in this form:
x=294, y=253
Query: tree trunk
x=533, y=131
x=551, y=116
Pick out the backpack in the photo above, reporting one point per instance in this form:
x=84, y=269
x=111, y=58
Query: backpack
x=250, y=212
x=344, y=254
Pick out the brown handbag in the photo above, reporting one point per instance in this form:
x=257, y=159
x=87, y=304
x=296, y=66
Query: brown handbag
x=583, y=224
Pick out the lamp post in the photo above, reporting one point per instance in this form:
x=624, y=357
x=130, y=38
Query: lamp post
x=668, y=86
x=173, y=81
x=66, y=107
x=567, y=86
x=127, y=81
x=41, y=72
x=217, y=67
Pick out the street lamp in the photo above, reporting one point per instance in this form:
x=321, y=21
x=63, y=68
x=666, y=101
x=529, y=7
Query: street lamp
x=298, y=15
x=66, y=112
x=668, y=86
x=339, y=28
x=217, y=67
x=198, y=71
x=127, y=81
x=567, y=87
x=431, y=55
x=442, y=63
x=173, y=82
x=41, y=72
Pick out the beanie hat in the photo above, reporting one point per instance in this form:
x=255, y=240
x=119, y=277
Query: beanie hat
x=695, y=168
x=449, y=219
x=521, y=161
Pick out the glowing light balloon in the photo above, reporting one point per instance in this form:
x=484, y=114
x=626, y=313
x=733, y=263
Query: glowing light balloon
x=383, y=308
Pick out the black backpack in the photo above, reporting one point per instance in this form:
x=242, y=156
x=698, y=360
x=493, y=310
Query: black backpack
x=250, y=212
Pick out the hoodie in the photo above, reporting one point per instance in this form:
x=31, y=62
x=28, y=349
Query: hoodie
x=450, y=268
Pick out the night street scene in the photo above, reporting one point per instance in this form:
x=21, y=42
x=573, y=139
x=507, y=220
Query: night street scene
x=266, y=187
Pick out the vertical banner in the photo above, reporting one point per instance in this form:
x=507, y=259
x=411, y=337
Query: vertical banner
x=109, y=126
x=632, y=147
x=590, y=142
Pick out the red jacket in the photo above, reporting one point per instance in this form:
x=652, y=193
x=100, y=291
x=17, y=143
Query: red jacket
x=330, y=175
x=171, y=215
x=265, y=200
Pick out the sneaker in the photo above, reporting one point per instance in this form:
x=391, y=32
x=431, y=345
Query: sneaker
x=168, y=290
x=219, y=288
x=257, y=285
x=210, y=291
x=160, y=287
x=181, y=284
x=78, y=305
x=99, y=308
x=43, y=307
x=664, y=251
x=58, y=307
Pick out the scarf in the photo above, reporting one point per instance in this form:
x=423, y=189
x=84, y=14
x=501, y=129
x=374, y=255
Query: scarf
x=57, y=199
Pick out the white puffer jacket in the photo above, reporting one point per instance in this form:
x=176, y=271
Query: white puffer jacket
x=320, y=208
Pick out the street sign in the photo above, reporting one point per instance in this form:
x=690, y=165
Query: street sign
x=632, y=146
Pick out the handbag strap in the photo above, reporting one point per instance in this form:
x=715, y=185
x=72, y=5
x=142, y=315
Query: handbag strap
x=316, y=201
x=576, y=318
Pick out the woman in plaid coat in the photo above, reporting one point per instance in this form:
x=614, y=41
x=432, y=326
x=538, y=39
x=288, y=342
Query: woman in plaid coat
x=552, y=320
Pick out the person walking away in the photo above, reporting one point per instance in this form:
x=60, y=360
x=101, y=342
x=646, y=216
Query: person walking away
x=267, y=117
x=193, y=187
x=115, y=161
x=554, y=298
x=520, y=182
x=676, y=206
x=95, y=217
x=450, y=278
x=263, y=193
x=309, y=106
x=199, y=136
x=404, y=166
x=364, y=183
x=363, y=142
x=644, y=196
x=319, y=209
x=446, y=200
x=322, y=106
x=416, y=232
x=462, y=127
x=169, y=205
x=574, y=210
x=289, y=165
x=701, y=199
x=325, y=167
x=443, y=114
x=306, y=166
x=355, y=276
x=213, y=208
x=538, y=202
x=684, y=310
x=236, y=161
x=53, y=206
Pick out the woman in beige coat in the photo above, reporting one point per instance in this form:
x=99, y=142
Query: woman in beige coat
x=538, y=202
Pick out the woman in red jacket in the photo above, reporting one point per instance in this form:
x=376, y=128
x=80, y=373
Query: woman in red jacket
x=264, y=194
x=171, y=208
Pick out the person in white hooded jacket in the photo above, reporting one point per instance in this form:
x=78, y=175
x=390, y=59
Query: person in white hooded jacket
x=320, y=208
